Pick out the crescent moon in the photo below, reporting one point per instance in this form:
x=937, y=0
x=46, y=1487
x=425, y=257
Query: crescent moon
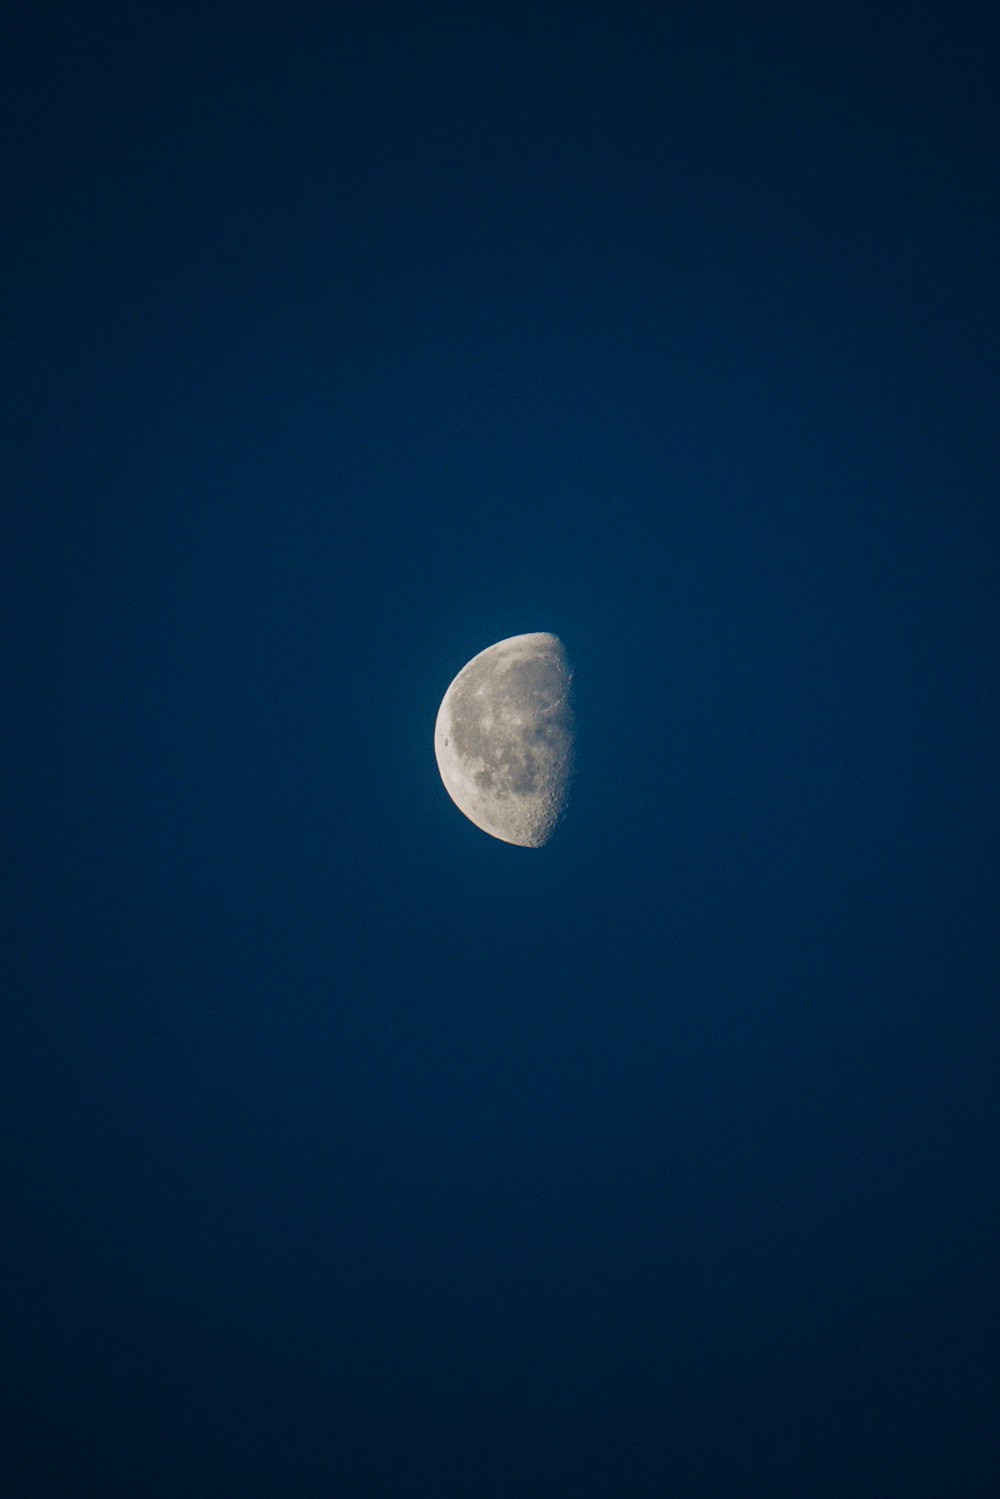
x=504, y=738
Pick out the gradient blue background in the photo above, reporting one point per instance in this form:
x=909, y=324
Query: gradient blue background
x=349, y=1151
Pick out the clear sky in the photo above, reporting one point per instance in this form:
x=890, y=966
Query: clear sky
x=349, y=1151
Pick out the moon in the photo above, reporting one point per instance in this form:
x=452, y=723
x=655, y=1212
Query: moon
x=504, y=738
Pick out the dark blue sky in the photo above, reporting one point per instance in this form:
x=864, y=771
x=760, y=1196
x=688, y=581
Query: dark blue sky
x=352, y=1152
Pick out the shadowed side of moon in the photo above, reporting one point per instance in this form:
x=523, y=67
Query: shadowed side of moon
x=504, y=738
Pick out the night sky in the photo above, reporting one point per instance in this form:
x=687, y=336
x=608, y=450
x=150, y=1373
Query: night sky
x=349, y=1151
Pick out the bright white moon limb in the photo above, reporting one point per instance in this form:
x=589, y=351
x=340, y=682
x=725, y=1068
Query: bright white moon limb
x=504, y=738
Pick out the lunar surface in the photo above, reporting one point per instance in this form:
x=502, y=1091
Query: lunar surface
x=504, y=738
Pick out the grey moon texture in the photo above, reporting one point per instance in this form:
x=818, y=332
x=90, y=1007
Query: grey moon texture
x=504, y=738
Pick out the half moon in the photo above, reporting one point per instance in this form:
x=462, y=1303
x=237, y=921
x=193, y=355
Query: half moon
x=504, y=738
